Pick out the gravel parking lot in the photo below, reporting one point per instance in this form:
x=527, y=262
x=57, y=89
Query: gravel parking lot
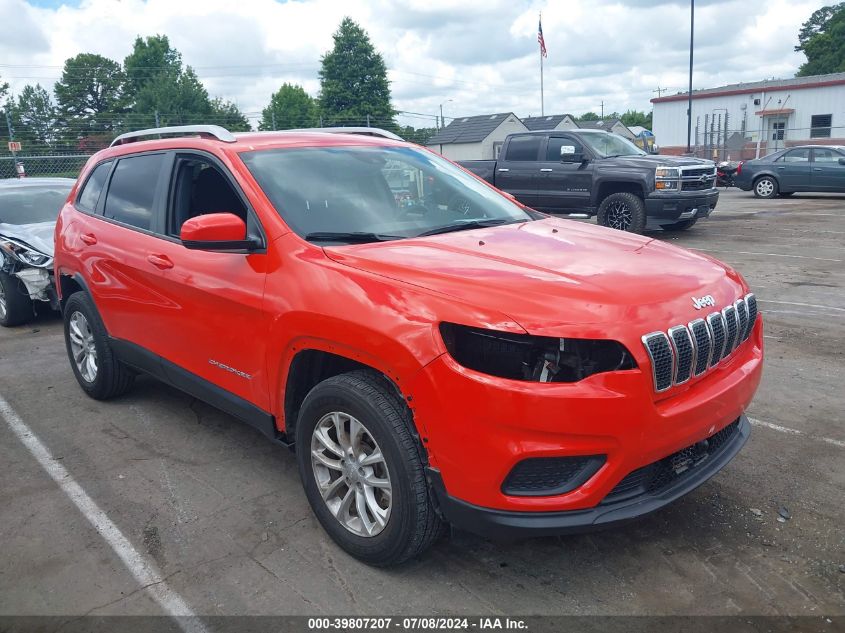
x=220, y=511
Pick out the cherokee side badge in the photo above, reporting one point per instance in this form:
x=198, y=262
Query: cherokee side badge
x=703, y=302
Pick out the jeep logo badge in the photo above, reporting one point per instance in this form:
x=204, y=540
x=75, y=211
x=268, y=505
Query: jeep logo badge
x=703, y=302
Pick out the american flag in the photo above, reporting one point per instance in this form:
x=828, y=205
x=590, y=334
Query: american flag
x=542, y=41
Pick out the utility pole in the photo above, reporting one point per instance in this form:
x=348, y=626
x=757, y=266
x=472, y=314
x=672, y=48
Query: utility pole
x=368, y=120
x=660, y=91
x=689, y=93
x=602, y=110
x=273, y=118
x=158, y=122
x=11, y=137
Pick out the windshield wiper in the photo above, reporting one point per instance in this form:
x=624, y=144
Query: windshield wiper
x=471, y=224
x=354, y=237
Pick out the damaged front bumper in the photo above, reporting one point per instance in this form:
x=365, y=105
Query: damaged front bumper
x=39, y=284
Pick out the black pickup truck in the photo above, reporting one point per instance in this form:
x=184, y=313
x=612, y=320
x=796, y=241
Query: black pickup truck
x=592, y=172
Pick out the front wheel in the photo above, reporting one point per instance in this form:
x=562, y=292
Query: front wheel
x=623, y=211
x=362, y=469
x=15, y=304
x=766, y=187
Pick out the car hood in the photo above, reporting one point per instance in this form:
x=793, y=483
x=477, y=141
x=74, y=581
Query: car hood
x=38, y=235
x=555, y=277
x=653, y=160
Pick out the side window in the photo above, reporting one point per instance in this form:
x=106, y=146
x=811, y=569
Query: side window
x=93, y=187
x=201, y=189
x=796, y=156
x=556, y=142
x=826, y=155
x=132, y=190
x=523, y=148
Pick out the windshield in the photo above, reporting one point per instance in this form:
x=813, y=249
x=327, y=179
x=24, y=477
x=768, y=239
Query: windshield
x=346, y=194
x=29, y=205
x=607, y=145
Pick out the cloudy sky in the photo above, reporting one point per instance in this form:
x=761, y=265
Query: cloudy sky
x=472, y=56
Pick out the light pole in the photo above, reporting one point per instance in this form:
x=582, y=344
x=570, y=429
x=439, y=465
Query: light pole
x=442, y=121
x=689, y=94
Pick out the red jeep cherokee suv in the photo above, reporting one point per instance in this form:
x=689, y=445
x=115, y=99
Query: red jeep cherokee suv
x=435, y=352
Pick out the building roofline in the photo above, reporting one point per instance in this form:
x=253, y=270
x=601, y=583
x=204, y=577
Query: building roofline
x=729, y=91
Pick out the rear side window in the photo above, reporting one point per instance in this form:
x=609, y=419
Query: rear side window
x=796, y=156
x=826, y=155
x=90, y=195
x=523, y=148
x=133, y=189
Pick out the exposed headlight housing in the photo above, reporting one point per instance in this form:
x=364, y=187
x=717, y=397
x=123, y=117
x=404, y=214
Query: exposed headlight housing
x=25, y=254
x=533, y=358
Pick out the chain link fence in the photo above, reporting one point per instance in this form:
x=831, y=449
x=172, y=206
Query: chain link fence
x=56, y=165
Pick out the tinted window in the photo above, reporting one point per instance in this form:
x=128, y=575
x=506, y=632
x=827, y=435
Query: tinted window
x=523, y=148
x=820, y=125
x=133, y=189
x=553, y=149
x=28, y=204
x=87, y=200
x=796, y=156
x=826, y=156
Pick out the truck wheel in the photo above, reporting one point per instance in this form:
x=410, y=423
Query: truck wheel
x=766, y=187
x=98, y=371
x=15, y=304
x=623, y=211
x=683, y=225
x=361, y=465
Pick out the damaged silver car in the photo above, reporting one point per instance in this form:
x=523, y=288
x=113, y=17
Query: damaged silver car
x=28, y=211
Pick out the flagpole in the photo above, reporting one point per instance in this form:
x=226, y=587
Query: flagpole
x=542, y=99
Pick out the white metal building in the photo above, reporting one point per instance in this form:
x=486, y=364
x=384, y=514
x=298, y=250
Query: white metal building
x=762, y=116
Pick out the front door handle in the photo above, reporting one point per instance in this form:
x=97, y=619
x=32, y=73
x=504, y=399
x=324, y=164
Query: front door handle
x=88, y=238
x=504, y=169
x=817, y=168
x=160, y=261
x=546, y=169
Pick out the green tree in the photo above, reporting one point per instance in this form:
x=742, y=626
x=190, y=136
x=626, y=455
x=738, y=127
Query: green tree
x=353, y=81
x=589, y=116
x=150, y=57
x=420, y=135
x=4, y=90
x=634, y=117
x=290, y=107
x=228, y=115
x=178, y=99
x=822, y=40
x=90, y=96
x=35, y=116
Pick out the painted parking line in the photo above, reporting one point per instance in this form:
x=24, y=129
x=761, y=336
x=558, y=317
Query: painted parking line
x=713, y=250
x=788, y=431
x=143, y=570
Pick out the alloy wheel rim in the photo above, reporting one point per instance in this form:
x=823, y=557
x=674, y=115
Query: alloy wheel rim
x=351, y=474
x=82, y=346
x=765, y=188
x=2, y=302
x=619, y=216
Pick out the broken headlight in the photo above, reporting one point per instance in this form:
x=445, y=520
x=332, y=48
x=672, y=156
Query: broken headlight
x=25, y=254
x=533, y=358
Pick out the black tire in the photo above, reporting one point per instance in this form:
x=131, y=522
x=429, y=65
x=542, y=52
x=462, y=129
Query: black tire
x=112, y=378
x=766, y=187
x=785, y=194
x=623, y=211
x=683, y=225
x=16, y=308
x=413, y=524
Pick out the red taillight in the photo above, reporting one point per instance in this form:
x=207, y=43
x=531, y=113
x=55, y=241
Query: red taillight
x=739, y=167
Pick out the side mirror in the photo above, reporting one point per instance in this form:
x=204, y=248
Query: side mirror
x=216, y=232
x=842, y=161
x=568, y=155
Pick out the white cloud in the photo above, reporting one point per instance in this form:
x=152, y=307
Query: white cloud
x=475, y=57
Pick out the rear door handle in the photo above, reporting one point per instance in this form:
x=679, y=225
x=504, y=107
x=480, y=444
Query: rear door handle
x=817, y=168
x=546, y=169
x=160, y=261
x=504, y=170
x=88, y=238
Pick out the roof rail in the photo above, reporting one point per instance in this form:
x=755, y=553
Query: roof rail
x=364, y=131
x=213, y=131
